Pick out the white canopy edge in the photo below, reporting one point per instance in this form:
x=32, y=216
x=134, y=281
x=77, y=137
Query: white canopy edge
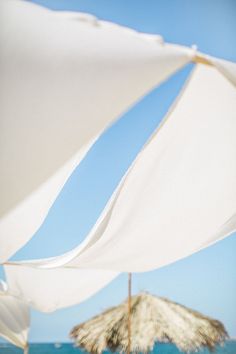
x=65, y=77
x=14, y=318
x=227, y=68
x=206, y=77
x=179, y=194
x=56, y=288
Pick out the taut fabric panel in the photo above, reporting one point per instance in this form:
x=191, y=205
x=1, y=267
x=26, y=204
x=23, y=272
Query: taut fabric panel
x=14, y=318
x=64, y=78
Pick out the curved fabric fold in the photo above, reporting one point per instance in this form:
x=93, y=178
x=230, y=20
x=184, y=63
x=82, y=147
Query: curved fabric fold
x=227, y=68
x=178, y=197
x=65, y=77
x=56, y=288
x=180, y=193
x=14, y=318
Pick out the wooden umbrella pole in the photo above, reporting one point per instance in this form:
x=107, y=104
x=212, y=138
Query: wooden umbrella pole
x=129, y=312
x=26, y=349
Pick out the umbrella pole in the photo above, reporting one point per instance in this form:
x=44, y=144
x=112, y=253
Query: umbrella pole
x=129, y=312
x=26, y=349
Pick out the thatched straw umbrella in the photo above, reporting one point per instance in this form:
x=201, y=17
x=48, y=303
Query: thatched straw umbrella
x=153, y=319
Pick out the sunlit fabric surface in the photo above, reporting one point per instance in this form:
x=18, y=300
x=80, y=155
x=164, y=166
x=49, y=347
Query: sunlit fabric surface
x=59, y=287
x=178, y=197
x=14, y=318
x=227, y=68
x=64, y=78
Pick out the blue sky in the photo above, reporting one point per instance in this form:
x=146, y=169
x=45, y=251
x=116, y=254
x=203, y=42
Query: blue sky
x=205, y=281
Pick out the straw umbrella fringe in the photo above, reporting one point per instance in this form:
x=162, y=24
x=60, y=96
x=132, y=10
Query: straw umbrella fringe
x=153, y=319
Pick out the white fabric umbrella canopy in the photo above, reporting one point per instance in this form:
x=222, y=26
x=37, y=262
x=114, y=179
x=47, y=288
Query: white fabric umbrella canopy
x=64, y=78
x=14, y=318
x=178, y=197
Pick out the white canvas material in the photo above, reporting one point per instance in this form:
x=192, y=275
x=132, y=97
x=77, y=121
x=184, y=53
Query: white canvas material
x=65, y=77
x=178, y=197
x=57, y=288
x=14, y=318
x=227, y=68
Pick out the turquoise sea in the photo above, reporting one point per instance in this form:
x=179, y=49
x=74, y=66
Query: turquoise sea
x=67, y=348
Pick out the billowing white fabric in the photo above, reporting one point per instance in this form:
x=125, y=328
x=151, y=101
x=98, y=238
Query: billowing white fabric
x=64, y=78
x=180, y=194
x=227, y=68
x=56, y=288
x=178, y=197
x=14, y=318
